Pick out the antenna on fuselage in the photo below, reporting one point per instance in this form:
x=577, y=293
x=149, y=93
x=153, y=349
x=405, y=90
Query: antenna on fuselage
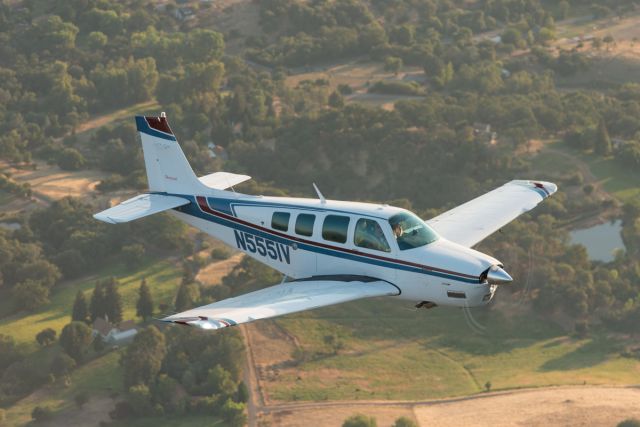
x=320, y=196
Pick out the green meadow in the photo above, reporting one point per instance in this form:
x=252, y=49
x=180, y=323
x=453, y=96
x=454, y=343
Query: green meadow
x=392, y=352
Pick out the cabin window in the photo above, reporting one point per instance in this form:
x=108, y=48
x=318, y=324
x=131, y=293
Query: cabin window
x=304, y=224
x=280, y=221
x=369, y=235
x=334, y=228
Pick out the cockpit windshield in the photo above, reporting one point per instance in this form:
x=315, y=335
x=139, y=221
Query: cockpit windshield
x=410, y=231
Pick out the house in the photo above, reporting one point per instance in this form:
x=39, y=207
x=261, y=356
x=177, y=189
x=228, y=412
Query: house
x=112, y=334
x=184, y=13
x=482, y=133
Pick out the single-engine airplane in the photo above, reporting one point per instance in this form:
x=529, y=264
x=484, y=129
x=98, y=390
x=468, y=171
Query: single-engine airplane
x=331, y=251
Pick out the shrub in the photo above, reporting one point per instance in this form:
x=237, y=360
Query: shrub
x=42, y=413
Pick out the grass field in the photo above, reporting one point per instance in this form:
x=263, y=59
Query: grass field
x=162, y=277
x=390, y=352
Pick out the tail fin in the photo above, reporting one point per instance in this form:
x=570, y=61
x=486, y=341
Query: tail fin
x=167, y=167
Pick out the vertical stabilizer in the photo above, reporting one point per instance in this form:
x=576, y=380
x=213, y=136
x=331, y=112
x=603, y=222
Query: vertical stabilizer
x=167, y=167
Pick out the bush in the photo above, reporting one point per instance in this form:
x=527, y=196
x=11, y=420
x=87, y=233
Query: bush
x=404, y=422
x=81, y=399
x=42, y=413
x=46, y=337
x=630, y=422
x=70, y=159
x=133, y=255
x=396, y=87
x=220, y=253
x=360, y=420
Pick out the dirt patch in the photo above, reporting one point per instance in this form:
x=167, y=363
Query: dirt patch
x=213, y=273
x=91, y=415
x=323, y=417
x=597, y=406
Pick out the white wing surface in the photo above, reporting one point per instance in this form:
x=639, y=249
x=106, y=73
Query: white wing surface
x=223, y=180
x=470, y=223
x=140, y=206
x=283, y=299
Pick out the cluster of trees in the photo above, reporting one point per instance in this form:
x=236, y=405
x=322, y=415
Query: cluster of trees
x=324, y=31
x=360, y=420
x=184, y=371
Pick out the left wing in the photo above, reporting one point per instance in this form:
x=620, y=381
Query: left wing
x=285, y=298
x=470, y=223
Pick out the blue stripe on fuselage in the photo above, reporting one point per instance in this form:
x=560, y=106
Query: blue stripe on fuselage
x=194, y=210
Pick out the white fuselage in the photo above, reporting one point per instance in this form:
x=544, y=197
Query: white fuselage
x=441, y=272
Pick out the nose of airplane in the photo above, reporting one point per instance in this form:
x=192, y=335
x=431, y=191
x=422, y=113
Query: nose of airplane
x=496, y=275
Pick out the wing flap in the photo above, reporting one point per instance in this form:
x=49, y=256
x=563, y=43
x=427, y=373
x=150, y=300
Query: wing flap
x=223, y=180
x=470, y=223
x=279, y=300
x=140, y=206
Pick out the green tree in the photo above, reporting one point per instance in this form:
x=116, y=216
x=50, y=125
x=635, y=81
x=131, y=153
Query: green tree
x=188, y=294
x=97, y=305
x=234, y=413
x=143, y=358
x=62, y=365
x=336, y=100
x=133, y=255
x=41, y=414
x=30, y=295
x=46, y=337
x=80, y=312
x=393, y=64
x=97, y=40
x=360, y=420
x=144, y=305
x=603, y=142
x=404, y=422
x=113, y=301
x=75, y=339
x=630, y=422
x=70, y=159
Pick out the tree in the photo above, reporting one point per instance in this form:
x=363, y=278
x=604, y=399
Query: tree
x=487, y=386
x=62, y=365
x=234, y=413
x=630, y=422
x=144, y=306
x=97, y=304
x=143, y=358
x=41, y=414
x=404, y=422
x=188, y=294
x=75, y=339
x=360, y=420
x=603, y=142
x=30, y=295
x=336, y=100
x=393, y=64
x=80, y=313
x=113, y=301
x=46, y=337
x=70, y=159
x=133, y=255
x=81, y=399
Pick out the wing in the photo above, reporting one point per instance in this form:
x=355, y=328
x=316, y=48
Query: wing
x=470, y=223
x=223, y=180
x=140, y=206
x=285, y=298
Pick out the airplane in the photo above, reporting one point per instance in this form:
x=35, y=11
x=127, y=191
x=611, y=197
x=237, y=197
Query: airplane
x=329, y=252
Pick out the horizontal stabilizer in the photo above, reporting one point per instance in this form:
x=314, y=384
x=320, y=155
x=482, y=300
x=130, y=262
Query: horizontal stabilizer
x=223, y=180
x=140, y=206
x=283, y=299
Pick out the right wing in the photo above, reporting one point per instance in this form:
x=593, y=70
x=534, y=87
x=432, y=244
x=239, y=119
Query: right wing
x=286, y=298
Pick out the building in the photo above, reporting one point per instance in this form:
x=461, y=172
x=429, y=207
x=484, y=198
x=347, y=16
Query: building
x=112, y=334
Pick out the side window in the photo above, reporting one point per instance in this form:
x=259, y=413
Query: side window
x=304, y=224
x=280, y=221
x=369, y=235
x=334, y=228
